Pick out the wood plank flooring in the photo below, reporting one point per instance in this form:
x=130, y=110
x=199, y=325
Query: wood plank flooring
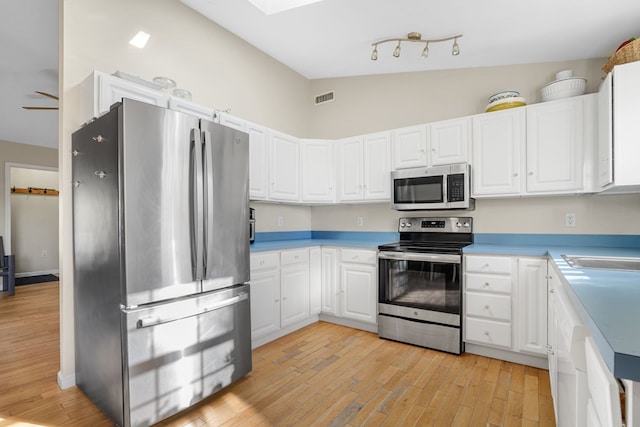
x=322, y=375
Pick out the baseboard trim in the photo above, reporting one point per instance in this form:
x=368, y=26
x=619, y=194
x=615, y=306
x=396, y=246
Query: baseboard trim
x=509, y=356
x=355, y=324
x=66, y=381
x=38, y=273
x=257, y=342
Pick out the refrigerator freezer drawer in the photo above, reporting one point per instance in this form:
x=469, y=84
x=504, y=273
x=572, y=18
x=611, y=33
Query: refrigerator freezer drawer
x=183, y=351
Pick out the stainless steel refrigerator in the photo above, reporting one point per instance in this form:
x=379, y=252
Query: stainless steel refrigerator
x=161, y=260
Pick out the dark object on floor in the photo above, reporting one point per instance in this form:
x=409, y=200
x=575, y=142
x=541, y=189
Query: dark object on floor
x=30, y=280
x=7, y=270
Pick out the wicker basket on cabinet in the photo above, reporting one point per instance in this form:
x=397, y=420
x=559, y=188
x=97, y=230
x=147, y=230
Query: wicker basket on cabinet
x=628, y=53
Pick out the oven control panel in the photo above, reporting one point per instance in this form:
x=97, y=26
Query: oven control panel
x=436, y=225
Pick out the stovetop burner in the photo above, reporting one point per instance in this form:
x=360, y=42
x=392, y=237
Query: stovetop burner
x=432, y=235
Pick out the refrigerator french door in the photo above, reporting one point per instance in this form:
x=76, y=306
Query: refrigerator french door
x=161, y=260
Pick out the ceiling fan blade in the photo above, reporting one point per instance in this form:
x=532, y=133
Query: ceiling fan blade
x=46, y=94
x=40, y=108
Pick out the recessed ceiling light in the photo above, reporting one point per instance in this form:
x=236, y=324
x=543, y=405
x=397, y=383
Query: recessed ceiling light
x=140, y=39
x=269, y=7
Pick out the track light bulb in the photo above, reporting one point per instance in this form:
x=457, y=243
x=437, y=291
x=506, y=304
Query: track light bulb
x=396, y=51
x=425, y=51
x=374, y=54
x=455, y=50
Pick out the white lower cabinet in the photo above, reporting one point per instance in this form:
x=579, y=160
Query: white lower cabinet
x=350, y=287
x=281, y=293
x=505, y=306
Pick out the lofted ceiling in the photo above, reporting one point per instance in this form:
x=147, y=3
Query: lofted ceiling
x=29, y=52
x=332, y=38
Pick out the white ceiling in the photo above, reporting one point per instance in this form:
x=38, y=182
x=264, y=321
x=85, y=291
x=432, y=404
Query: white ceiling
x=28, y=62
x=332, y=38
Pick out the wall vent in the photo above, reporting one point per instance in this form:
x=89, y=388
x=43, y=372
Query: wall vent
x=325, y=97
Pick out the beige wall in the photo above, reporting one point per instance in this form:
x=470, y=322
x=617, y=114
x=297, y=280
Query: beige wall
x=22, y=154
x=34, y=222
x=380, y=102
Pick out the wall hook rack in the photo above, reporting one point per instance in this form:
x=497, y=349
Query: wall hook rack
x=35, y=191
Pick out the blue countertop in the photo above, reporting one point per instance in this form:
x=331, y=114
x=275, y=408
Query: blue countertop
x=274, y=241
x=608, y=301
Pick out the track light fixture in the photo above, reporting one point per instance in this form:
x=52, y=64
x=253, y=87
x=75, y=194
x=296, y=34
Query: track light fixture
x=416, y=38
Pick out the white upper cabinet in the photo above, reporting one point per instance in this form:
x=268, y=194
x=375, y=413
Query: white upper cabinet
x=555, y=137
x=377, y=166
x=284, y=167
x=231, y=121
x=100, y=91
x=550, y=143
x=449, y=141
x=619, y=142
x=350, y=169
x=498, y=141
x=258, y=161
x=318, y=162
x=364, y=167
x=410, y=147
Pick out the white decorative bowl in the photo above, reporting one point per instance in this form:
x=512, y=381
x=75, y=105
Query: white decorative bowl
x=503, y=95
x=564, y=74
x=564, y=88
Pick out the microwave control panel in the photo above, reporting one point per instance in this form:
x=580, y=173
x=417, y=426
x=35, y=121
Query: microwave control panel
x=455, y=187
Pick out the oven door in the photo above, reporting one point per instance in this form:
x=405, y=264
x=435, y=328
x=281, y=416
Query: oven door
x=425, y=287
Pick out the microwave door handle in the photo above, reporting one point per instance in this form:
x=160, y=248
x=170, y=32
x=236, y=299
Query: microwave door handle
x=403, y=256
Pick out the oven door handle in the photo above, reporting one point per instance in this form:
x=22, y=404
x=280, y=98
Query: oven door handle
x=403, y=256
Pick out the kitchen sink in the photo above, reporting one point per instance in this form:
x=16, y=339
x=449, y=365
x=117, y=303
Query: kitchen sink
x=603, y=262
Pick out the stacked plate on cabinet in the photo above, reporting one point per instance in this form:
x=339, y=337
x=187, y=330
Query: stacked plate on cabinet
x=505, y=100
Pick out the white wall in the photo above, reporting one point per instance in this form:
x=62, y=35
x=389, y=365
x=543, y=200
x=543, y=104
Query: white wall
x=34, y=222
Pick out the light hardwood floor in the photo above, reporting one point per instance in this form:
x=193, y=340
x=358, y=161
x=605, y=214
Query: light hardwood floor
x=322, y=375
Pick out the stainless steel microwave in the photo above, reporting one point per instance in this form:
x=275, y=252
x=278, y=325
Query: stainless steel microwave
x=436, y=188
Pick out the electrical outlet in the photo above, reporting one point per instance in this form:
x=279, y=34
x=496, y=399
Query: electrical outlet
x=359, y=221
x=570, y=220
x=44, y=254
x=280, y=221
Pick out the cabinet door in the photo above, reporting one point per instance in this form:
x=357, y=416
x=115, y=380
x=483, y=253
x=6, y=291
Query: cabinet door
x=317, y=171
x=626, y=126
x=532, y=305
x=231, y=121
x=315, y=281
x=294, y=290
x=258, y=161
x=377, y=166
x=497, y=152
x=359, y=293
x=265, y=302
x=410, y=147
x=555, y=136
x=329, y=280
x=112, y=89
x=284, y=167
x=350, y=172
x=184, y=106
x=605, y=132
x=449, y=141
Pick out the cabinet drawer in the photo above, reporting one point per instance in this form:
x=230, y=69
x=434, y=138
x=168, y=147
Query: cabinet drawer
x=487, y=305
x=358, y=256
x=488, y=264
x=488, y=332
x=294, y=257
x=488, y=283
x=264, y=261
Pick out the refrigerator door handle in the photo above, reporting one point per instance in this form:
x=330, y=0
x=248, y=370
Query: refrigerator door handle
x=208, y=197
x=150, y=321
x=196, y=197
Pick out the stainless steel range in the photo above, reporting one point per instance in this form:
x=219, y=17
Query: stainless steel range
x=420, y=281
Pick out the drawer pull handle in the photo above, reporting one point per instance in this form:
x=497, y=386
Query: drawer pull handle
x=486, y=307
x=486, y=333
x=486, y=284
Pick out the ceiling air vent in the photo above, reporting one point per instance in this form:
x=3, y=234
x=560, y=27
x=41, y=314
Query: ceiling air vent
x=325, y=97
